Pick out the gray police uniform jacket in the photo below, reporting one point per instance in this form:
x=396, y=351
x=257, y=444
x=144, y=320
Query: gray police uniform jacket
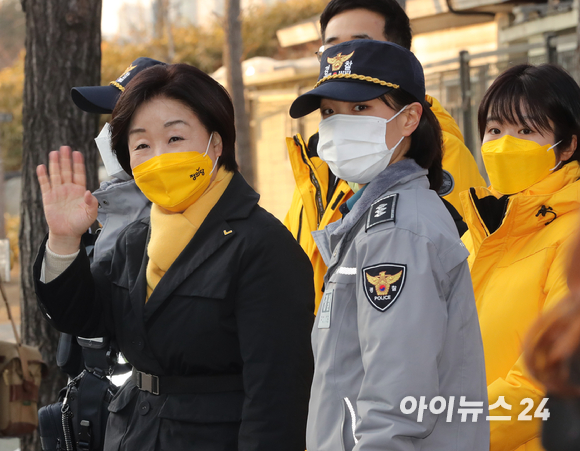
x=397, y=320
x=121, y=203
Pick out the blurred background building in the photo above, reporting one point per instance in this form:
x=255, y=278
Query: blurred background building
x=462, y=44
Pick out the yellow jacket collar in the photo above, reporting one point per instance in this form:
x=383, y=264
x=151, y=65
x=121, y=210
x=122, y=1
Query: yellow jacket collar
x=527, y=211
x=445, y=119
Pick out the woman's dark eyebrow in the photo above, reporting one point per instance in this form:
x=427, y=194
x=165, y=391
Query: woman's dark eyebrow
x=136, y=130
x=178, y=121
x=167, y=124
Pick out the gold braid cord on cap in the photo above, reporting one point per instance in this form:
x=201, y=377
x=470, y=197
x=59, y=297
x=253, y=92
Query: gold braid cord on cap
x=118, y=86
x=357, y=77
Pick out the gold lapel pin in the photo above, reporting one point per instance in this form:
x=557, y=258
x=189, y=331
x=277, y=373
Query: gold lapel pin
x=227, y=232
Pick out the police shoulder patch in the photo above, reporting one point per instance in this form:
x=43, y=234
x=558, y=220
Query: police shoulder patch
x=382, y=210
x=383, y=284
x=447, y=185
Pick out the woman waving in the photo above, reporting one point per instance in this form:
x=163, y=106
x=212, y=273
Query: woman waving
x=210, y=299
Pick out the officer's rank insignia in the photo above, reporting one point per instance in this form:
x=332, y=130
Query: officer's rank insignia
x=338, y=60
x=447, y=185
x=382, y=210
x=383, y=283
x=129, y=69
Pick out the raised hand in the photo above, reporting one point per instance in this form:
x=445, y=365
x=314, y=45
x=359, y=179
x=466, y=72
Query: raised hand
x=69, y=207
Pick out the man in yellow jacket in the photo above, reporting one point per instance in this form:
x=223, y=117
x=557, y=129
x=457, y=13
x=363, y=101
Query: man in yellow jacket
x=318, y=194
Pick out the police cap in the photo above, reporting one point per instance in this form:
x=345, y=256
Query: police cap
x=361, y=70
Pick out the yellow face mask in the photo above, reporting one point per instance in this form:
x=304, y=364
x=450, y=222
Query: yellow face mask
x=175, y=181
x=514, y=164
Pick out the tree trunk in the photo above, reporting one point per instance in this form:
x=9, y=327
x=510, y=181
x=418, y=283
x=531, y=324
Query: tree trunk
x=63, y=49
x=235, y=80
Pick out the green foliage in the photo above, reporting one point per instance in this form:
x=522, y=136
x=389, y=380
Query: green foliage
x=203, y=46
x=11, y=87
x=12, y=30
x=199, y=47
x=260, y=24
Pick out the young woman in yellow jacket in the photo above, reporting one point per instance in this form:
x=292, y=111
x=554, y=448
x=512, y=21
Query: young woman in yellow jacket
x=521, y=231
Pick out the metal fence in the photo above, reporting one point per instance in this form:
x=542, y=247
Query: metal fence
x=460, y=83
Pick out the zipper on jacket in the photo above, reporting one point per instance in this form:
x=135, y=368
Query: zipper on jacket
x=299, y=225
x=314, y=180
x=505, y=207
x=352, y=418
x=481, y=221
x=503, y=214
x=338, y=199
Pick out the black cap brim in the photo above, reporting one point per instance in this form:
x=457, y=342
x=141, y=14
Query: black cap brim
x=96, y=99
x=338, y=89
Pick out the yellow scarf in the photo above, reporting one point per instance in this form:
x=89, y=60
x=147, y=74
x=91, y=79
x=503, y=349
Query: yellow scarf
x=171, y=232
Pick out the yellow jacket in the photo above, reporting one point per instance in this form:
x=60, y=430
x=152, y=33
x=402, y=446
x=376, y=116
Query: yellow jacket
x=311, y=211
x=457, y=158
x=518, y=271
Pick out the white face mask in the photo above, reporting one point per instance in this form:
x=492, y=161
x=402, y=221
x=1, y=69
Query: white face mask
x=354, y=146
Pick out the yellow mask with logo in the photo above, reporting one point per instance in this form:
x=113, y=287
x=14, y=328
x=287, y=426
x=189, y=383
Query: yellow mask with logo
x=515, y=164
x=175, y=181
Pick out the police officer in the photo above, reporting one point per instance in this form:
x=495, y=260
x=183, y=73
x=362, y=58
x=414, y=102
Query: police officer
x=318, y=193
x=396, y=339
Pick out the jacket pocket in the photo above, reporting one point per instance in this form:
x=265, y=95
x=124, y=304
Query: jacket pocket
x=349, y=439
x=211, y=283
x=204, y=407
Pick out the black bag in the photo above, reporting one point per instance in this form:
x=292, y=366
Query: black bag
x=50, y=425
x=77, y=422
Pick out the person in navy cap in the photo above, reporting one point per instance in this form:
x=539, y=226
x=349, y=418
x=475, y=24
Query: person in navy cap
x=102, y=99
x=120, y=201
x=399, y=360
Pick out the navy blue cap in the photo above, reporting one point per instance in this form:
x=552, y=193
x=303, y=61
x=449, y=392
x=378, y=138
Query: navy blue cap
x=102, y=99
x=361, y=70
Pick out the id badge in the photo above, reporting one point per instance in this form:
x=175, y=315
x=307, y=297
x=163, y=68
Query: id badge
x=325, y=310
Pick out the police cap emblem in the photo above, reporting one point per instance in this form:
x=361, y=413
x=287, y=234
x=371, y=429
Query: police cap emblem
x=383, y=284
x=338, y=60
